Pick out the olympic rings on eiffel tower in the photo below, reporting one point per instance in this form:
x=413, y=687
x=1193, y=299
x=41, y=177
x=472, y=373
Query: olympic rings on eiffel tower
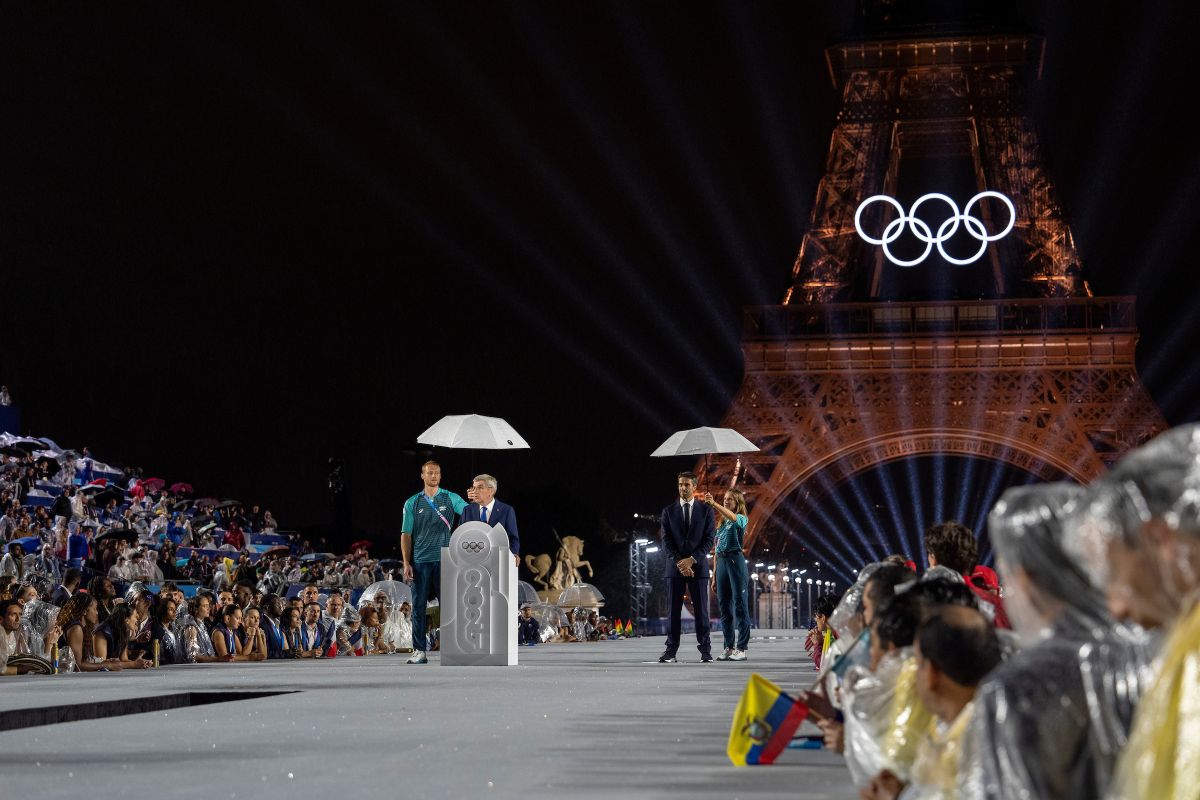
x=920, y=229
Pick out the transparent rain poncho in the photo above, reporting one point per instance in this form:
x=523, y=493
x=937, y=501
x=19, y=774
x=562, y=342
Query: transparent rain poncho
x=37, y=618
x=581, y=629
x=1140, y=539
x=550, y=619
x=846, y=618
x=850, y=649
x=868, y=702
x=350, y=641
x=396, y=628
x=191, y=640
x=907, y=722
x=1050, y=721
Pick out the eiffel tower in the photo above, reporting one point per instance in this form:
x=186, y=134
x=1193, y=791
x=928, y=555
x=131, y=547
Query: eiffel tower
x=1010, y=359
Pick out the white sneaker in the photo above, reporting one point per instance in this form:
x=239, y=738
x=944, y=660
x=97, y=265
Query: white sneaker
x=729, y=651
x=737, y=655
x=417, y=657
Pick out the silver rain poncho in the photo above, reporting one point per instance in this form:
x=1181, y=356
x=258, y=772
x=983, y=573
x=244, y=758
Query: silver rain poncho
x=388, y=597
x=191, y=640
x=37, y=618
x=869, y=710
x=850, y=649
x=1140, y=540
x=1049, y=721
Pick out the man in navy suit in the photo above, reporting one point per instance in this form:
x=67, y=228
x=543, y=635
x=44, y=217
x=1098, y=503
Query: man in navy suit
x=68, y=587
x=688, y=534
x=484, y=507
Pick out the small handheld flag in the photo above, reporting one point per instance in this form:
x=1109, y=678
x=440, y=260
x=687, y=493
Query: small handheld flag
x=763, y=723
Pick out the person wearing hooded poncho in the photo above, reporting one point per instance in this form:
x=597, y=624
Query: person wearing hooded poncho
x=955, y=648
x=1048, y=721
x=349, y=633
x=870, y=691
x=1141, y=541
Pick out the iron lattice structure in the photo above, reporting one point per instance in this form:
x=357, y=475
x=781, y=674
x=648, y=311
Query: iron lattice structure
x=938, y=97
x=1045, y=381
x=639, y=583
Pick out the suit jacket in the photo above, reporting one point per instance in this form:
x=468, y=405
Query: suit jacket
x=695, y=541
x=502, y=514
x=60, y=596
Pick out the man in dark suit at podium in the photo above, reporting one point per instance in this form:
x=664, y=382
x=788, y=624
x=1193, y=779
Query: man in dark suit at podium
x=688, y=533
x=484, y=507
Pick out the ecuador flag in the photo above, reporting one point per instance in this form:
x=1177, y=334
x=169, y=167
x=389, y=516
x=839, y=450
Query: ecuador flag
x=764, y=723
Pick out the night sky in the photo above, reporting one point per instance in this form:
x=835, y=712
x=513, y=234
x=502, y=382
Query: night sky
x=237, y=241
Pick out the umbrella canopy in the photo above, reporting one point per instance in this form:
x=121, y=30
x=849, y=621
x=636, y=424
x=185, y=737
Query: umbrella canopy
x=526, y=594
x=12, y=450
x=704, y=440
x=365, y=544
x=318, y=557
x=118, y=533
x=153, y=484
x=29, y=544
x=475, y=432
x=277, y=550
x=95, y=487
x=228, y=503
x=28, y=444
x=111, y=493
x=181, y=488
x=395, y=591
x=581, y=594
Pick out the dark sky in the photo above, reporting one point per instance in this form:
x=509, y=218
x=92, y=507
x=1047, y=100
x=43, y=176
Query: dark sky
x=237, y=241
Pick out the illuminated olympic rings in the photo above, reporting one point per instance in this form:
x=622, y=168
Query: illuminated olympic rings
x=920, y=229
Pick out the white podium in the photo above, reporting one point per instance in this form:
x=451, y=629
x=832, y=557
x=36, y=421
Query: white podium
x=479, y=598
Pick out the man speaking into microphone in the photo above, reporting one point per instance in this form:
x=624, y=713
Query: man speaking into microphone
x=484, y=507
x=688, y=534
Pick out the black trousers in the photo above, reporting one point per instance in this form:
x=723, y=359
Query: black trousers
x=697, y=589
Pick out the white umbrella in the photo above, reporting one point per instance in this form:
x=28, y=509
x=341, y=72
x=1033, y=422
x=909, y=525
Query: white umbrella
x=704, y=440
x=473, y=432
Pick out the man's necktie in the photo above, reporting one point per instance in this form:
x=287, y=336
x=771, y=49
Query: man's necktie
x=687, y=516
x=483, y=513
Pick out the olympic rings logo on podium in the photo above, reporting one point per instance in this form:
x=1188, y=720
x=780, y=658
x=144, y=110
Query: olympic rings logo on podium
x=920, y=229
x=473, y=547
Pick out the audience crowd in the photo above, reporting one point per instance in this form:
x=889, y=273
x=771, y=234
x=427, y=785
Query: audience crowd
x=1069, y=672
x=80, y=551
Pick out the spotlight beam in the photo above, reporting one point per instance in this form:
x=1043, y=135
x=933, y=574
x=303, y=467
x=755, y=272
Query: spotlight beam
x=499, y=215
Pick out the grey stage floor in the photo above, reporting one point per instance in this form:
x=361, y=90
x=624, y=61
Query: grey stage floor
x=580, y=720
